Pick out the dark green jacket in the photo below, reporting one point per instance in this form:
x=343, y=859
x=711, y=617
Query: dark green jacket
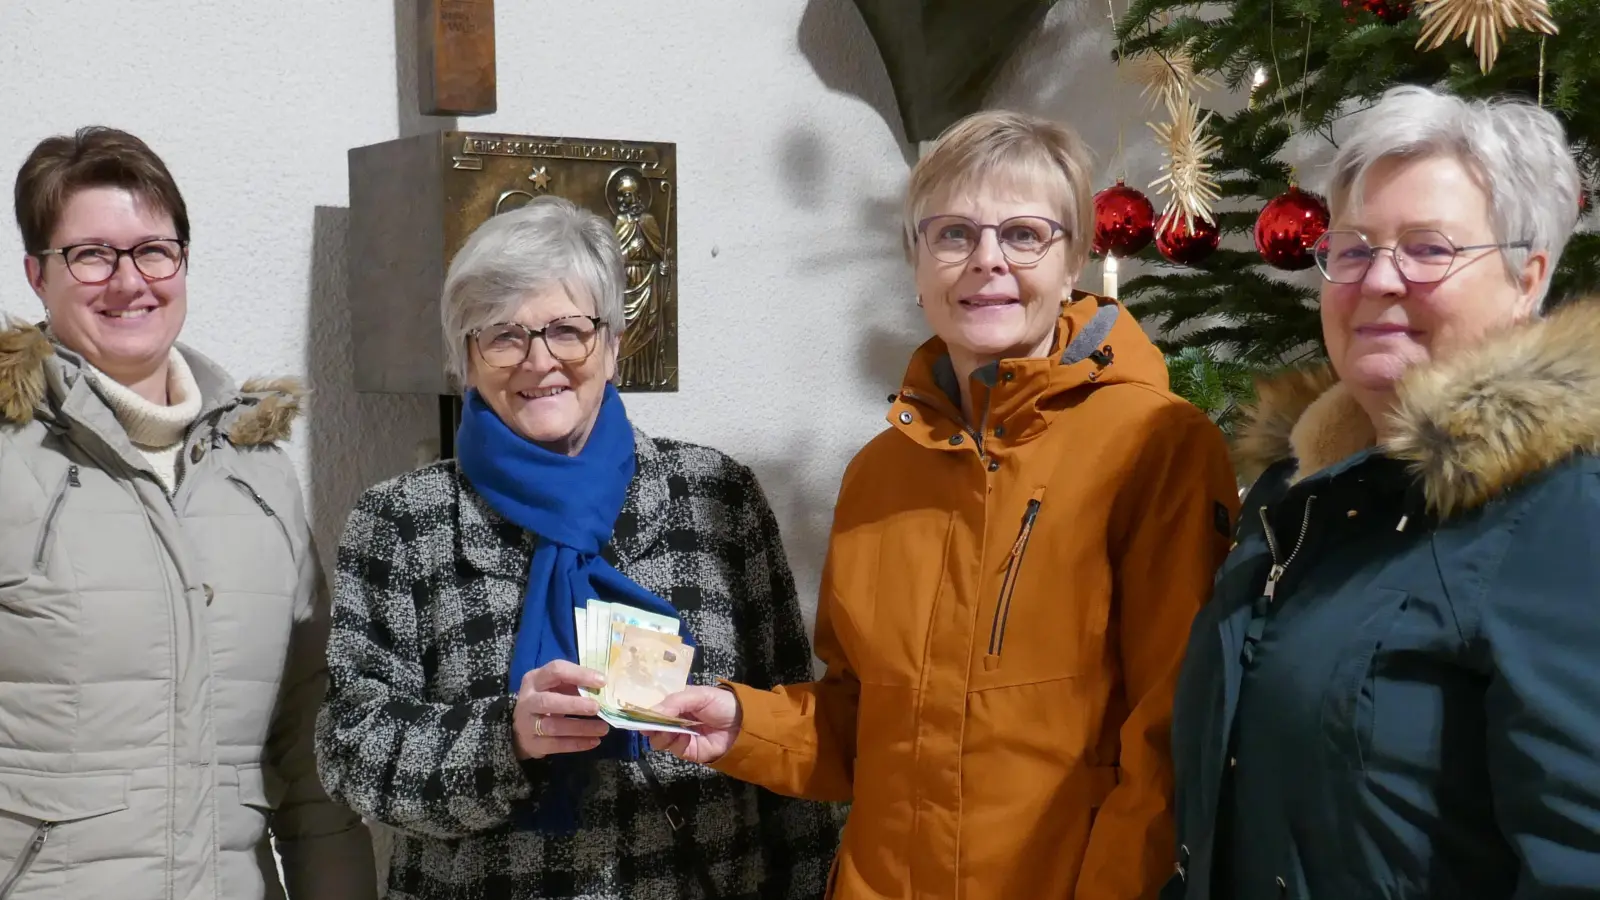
x=1395, y=690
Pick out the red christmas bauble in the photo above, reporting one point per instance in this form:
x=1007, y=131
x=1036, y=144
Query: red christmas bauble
x=1187, y=245
x=1124, y=221
x=1287, y=227
x=1389, y=12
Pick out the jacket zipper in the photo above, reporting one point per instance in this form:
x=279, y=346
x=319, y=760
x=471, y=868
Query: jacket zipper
x=1261, y=607
x=42, y=549
x=1008, y=585
x=25, y=861
x=180, y=476
x=1275, y=574
x=282, y=528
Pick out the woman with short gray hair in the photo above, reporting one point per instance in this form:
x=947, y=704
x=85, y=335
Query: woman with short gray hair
x=1396, y=691
x=454, y=711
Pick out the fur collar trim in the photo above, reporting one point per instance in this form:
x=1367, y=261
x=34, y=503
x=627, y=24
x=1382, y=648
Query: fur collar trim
x=1470, y=427
x=269, y=407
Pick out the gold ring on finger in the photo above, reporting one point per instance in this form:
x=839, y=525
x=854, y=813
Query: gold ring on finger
x=538, y=725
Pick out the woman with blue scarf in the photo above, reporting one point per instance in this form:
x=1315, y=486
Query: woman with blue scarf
x=453, y=711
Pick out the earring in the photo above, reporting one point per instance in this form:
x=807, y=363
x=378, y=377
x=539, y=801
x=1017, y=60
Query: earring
x=919, y=300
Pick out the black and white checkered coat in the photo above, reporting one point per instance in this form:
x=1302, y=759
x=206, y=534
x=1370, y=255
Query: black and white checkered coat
x=416, y=728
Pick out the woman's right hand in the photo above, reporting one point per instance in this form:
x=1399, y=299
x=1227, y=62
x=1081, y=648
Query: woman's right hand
x=542, y=722
x=717, y=712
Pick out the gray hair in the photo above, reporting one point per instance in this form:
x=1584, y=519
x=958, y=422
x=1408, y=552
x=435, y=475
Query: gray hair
x=549, y=241
x=1518, y=151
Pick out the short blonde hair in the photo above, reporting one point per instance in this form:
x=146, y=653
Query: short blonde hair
x=1010, y=150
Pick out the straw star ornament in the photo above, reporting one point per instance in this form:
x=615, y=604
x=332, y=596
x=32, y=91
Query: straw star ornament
x=1167, y=77
x=1482, y=23
x=1187, y=171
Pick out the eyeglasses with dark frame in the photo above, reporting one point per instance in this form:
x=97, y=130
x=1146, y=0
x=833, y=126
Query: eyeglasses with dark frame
x=505, y=345
x=1024, y=240
x=1421, y=255
x=96, y=263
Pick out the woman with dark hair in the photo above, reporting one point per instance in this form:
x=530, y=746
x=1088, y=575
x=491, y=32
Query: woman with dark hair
x=162, y=612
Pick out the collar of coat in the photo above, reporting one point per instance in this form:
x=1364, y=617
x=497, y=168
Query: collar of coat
x=34, y=371
x=1097, y=342
x=1470, y=427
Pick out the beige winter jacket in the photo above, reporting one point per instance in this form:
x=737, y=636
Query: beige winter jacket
x=161, y=658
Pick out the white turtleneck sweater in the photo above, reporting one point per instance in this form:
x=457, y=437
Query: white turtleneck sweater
x=156, y=431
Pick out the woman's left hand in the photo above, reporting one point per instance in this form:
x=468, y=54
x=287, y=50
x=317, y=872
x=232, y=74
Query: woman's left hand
x=543, y=721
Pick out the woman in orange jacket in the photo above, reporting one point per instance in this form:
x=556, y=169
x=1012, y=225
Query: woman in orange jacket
x=1013, y=567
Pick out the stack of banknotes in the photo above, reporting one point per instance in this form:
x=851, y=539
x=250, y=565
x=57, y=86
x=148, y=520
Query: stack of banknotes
x=643, y=659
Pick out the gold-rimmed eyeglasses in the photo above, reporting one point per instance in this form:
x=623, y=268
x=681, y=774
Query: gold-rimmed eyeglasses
x=95, y=263
x=506, y=344
x=1422, y=255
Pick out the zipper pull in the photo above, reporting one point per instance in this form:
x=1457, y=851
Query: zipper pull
x=1275, y=573
x=253, y=495
x=72, y=476
x=1027, y=528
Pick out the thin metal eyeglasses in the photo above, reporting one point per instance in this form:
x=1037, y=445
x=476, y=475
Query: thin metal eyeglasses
x=1421, y=255
x=507, y=344
x=96, y=263
x=1024, y=240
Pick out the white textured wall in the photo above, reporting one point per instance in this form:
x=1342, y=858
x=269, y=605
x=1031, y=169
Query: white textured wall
x=796, y=315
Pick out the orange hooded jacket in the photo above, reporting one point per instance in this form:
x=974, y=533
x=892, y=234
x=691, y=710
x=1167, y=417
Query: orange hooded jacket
x=1003, y=614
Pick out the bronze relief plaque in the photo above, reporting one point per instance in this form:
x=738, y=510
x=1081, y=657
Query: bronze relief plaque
x=631, y=184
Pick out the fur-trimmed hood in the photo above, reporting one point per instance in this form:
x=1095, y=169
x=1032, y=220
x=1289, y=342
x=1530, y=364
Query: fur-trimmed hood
x=1470, y=427
x=267, y=407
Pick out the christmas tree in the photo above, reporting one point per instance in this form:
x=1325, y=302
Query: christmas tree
x=1308, y=64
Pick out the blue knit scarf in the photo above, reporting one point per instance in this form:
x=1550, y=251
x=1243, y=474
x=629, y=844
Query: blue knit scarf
x=570, y=503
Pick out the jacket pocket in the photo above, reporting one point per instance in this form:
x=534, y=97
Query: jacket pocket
x=1349, y=710
x=41, y=549
x=256, y=498
x=46, y=802
x=1097, y=784
x=1008, y=584
x=258, y=790
x=259, y=794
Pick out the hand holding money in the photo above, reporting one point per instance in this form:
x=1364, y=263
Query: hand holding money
x=717, y=713
x=542, y=723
